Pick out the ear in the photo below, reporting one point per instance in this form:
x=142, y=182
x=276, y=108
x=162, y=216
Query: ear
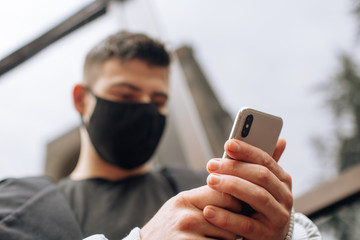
x=79, y=98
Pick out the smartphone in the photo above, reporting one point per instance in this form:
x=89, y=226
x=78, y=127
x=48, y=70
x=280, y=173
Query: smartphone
x=257, y=128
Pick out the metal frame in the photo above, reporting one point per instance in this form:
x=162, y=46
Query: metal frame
x=330, y=195
x=77, y=20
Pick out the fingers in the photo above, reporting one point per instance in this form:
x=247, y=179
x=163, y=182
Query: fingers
x=279, y=149
x=257, y=197
x=203, y=196
x=242, y=225
x=192, y=222
x=242, y=151
x=179, y=218
x=256, y=174
x=192, y=203
x=254, y=177
x=213, y=231
x=239, y=224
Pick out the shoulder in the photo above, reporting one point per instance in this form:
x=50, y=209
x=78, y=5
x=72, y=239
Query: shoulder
x=29, y=184
x=66, y=184
x=16, y=192
x=22, y=204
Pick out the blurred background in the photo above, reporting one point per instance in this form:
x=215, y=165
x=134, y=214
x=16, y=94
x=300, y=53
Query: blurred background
x=295, y=59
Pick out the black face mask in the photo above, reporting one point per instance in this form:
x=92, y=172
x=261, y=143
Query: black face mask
x=125, y=134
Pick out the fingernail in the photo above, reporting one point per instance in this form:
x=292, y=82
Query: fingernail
x=214, y=179
x=213, y=165
x=209, y=212
x=234, y=146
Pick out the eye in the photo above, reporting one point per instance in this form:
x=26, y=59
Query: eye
x=158, y=104
x=126, y=97
x=123, y=93
x=159, y=100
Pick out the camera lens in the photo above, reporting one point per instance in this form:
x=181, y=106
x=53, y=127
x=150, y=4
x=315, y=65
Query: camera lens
x=247, y=125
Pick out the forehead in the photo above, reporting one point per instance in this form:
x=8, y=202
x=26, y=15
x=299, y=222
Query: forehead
x=135, y=72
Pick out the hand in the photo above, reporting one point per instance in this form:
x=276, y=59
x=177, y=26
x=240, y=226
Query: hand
x=181, y=217
x=254, y=177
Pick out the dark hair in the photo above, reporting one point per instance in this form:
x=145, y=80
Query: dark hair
x=125, y=46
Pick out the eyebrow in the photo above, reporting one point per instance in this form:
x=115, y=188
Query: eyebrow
x=137, y=89
x=128, y=85
x=161, y=94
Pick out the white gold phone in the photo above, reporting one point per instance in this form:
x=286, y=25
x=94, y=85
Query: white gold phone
x=257, y=128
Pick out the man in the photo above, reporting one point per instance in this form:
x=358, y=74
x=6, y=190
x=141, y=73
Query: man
x=122, y=103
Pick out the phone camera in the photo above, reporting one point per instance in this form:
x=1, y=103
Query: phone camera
x=247, y=125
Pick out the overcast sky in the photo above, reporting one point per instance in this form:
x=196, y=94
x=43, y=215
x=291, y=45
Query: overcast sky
x=269, y=55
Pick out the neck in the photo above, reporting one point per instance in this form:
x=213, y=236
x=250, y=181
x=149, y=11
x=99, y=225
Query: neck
x=91, y=165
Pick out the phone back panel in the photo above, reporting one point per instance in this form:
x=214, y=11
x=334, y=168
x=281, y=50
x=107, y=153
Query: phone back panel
x=264, y=131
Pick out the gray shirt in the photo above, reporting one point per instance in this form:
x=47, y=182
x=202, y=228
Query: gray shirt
x=114, y=208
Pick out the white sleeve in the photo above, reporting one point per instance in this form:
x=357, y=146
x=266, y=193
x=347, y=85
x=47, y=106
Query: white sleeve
x=305, y=229
x=133, y=235
x=96, y=237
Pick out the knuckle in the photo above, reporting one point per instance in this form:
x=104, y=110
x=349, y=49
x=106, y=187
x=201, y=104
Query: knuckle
x=232, y=166
x=229, y=166
x=263, y=174
x=232, y=186
x=265, y=159
x=263, y=198
x=247, y=228
x=225, y=221
x=283, y=218
x=278, y=223
x=288, y=179
x=181, y=200
x=246, y=150
x=289, y=200
x=187, y=221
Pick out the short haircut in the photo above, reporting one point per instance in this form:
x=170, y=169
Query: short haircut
x=125, y=46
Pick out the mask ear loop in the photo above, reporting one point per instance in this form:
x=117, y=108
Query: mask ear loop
x=88, y=89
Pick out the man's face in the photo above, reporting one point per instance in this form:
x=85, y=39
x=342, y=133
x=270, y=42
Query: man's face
x=131, y=81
